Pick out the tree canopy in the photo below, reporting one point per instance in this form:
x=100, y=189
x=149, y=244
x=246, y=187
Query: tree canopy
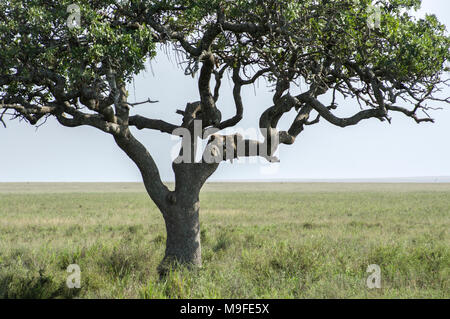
x=48, y=68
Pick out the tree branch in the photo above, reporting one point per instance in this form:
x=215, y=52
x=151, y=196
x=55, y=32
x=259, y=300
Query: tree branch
x=341, y=122
x=144, y=161
x=141, y=122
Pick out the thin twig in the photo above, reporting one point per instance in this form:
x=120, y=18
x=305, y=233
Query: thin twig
x=144, y=102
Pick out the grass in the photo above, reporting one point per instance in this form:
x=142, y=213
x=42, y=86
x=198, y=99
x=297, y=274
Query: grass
x=259, y=241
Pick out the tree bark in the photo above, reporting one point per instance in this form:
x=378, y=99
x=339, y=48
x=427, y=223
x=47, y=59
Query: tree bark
x=181, y=215
x=183, y=232
x=180, y=208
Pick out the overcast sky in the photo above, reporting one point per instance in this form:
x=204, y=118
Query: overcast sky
x=371, y=149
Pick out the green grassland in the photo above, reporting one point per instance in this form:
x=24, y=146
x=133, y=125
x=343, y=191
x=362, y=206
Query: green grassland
x=265, y=240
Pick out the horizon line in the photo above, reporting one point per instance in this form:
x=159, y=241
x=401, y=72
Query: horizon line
x=412, y=179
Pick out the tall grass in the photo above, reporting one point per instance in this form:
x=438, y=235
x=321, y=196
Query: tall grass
x=267, y=242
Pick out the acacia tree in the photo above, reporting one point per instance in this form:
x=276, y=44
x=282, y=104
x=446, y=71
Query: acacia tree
x=388, y=63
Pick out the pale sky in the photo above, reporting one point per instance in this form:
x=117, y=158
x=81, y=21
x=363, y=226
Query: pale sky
x=371, y=149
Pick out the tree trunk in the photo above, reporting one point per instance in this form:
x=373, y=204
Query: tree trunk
x=183, y=236
x=181, y=215
x=179, y=208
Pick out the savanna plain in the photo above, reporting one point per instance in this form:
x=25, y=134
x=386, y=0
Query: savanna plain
x=259, y=240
